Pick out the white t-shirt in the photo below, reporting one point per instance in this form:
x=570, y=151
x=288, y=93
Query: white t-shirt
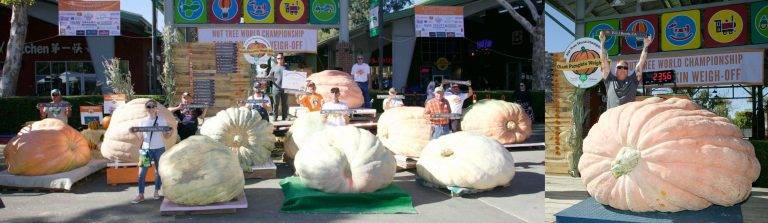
x=396, y=102
x=57, y=112
x=361, y=72
x=335, y=119
x=263, y=97
x=456, y=101
x=158, y=140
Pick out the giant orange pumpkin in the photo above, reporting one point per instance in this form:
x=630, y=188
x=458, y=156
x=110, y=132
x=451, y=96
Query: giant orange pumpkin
x=504, y=121
x=122, y=145
x=105, y=121
x=666, y=155
x=404, y=130
x=584, y=54
x=350, y=92
x=46, y=147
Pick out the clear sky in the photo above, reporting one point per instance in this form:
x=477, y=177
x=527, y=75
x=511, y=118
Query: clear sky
x=557, y=39
x=144, y=8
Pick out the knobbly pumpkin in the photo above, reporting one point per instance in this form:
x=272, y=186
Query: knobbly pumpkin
x=48, y=146
x=467, y=160
x=243, y=131
x=350, y=92
x=301, y=129
x=345, y=159
x=200, y=171
x=105, y=121
x=504, y=121
x=404, y=130
x=94, y=134
x=666, y=155
x=122, y=145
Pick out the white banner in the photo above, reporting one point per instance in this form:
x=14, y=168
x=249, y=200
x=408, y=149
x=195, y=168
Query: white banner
x=281, y=40
x=711, y=69
x=89, y=18
x=294, y=80
x=439, y=21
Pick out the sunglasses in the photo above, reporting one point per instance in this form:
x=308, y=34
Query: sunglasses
x=622, y=68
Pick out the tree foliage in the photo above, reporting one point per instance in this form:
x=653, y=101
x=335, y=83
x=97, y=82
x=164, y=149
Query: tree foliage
x=18, y=2
x=712, y=103
x=743, y=119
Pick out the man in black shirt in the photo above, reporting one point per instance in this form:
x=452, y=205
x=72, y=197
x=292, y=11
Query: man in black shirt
x=187, y=116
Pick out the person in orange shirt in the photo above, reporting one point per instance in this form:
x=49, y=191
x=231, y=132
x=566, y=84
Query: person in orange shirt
x=313, y=101
x=438, y=106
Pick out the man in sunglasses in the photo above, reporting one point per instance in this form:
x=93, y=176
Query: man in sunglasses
x=362, y=72
x=278, y=95
x=60, y=110
x=621, y=89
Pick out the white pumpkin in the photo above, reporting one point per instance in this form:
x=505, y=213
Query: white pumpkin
x=345, y=159
x=200, y=171
x=243, y=131
x=467, y=160
x=404, y=130
x=301, y=129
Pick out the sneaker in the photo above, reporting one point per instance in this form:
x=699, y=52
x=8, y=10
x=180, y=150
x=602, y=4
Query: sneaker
x=137, y=199
x=156, y=196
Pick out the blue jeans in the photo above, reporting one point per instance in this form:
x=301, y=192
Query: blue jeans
x=153, y=154
x=366, y=98
x=440, y=130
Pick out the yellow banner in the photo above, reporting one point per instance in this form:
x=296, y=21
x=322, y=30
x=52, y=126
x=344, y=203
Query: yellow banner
x=578, y=65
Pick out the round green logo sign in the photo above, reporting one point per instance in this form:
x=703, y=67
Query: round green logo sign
x=324, y=10
x=761, y=21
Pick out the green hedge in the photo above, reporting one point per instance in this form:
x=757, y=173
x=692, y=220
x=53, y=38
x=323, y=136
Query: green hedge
x=761, y=150
x=537, y=99
x=16, y=111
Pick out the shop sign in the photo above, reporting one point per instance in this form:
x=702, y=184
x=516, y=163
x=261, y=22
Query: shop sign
x=611, y=42
x=190, y=11
x=259, y=11
x=89, y=17
x=648, y=25
x=279, y=40
x=582, y=63
x=759, y=22
x=324, y=12
x=725, y=26
x=680, y=30
x=224, y=11
x=292, y=11
x=710, y=69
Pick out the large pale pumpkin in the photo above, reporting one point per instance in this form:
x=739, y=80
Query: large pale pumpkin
x=243, y=131
x=468, y=160
x=345, y=159
x=404, y=130
x=200, y=171
x=666, y=155
x=122, y=145
x=301, y=129
x=350, y=92
x=46, y=147
x=504, y=121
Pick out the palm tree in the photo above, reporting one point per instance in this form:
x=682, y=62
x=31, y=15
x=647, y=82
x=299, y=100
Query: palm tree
x=18, y=35
x=536, y=29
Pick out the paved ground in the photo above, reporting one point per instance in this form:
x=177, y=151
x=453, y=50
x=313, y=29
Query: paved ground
x=565, y=191
x=91, y=200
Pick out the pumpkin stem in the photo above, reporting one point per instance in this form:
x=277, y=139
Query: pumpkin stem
x=511, y=125
x=236, y=139
x=627, y=159
x=446, y=152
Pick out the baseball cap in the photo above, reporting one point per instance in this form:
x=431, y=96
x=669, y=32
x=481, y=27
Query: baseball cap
x=55, y=91
x=439, y=89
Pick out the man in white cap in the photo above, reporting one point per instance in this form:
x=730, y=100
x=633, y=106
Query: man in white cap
x=456, y=100
x=58, y=108
x=438, y=106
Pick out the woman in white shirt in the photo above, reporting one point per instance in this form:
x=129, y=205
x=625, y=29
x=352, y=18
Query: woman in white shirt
x=151, y=149
x=392, y=101
x=335, y=118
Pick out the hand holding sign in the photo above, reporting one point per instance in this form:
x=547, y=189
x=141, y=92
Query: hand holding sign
x=446, y=115
x=150, y=129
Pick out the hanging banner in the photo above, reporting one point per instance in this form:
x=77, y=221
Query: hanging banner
x=190, y=11
x=292, y=11
x=725, y=26
x=759, y=22
x=373, y=18
x=224, y=11
x=648, y=24
x=324, y=12
x=259, y=11
x=89, y=17
x=611, y=42
x=280, y=40
x=710, y=69
x=439, y=21
x=582, y=63
x=680, y=30
x=90, y=113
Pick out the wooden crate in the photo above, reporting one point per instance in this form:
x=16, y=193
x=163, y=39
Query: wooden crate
x=168, y=208
x=265, y=171
x=558, y=122
x=127, y=173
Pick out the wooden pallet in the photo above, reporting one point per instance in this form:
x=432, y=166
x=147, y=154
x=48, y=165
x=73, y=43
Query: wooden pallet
x=267, y=170
x=405, y=163
x=9, y=189
x=127, y=173
x=168, y=208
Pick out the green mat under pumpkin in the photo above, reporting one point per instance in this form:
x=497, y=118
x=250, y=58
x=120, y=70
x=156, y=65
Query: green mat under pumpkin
x=300, y=199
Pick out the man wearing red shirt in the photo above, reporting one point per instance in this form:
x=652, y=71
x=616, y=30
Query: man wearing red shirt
x=438, y=106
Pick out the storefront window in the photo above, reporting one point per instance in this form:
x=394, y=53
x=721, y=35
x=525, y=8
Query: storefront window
x=42, y=68
x=71, y=77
